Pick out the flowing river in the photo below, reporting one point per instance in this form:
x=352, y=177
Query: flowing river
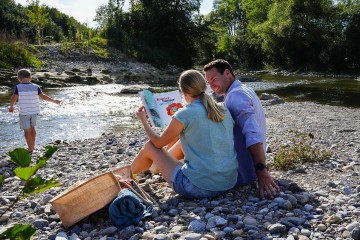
x=85, y=112
x=89, y=111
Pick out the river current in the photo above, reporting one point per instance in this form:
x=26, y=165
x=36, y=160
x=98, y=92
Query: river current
x=85, y=112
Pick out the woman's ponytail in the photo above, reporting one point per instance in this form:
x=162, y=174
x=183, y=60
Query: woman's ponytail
x=214, y=110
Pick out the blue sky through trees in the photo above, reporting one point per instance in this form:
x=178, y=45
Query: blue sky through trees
x=84, y=11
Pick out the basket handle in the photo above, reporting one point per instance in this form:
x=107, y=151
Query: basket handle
x=144, y=196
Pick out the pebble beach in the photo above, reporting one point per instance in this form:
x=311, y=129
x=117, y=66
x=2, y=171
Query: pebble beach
x=319, y=200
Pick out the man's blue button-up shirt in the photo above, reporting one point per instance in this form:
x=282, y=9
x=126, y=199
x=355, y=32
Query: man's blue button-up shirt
x=250, y=127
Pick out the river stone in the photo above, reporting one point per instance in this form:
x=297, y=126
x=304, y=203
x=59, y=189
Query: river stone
x=161, y=237
x=248, y=220
x=193, y=236
x=40, y=223
x=108, y=231
x=4, y=163
x=74, y=236
x=355, y=233
x=218, y=234
x=237, y=233
x=333, y=219
x=161, y=229
x=47, y=198
x=353, y=225
x=305, y=232
x=277, y=228
x=61, y=236
x=197, y=226
x=321, y=227
x=134, y=237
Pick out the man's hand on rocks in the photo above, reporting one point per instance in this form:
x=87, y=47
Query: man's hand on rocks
x=267, y=186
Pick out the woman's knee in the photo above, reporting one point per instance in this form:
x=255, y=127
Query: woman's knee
x=149, y=147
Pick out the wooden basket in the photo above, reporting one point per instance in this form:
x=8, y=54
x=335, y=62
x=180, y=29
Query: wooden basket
x=89, y=196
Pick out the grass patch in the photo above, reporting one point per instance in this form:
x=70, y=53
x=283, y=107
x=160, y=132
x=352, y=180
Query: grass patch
x=97, y=46
x=18, y=54
x=300, y=150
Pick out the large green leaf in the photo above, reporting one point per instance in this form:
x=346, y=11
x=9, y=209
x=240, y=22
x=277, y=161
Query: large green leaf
x=50, y=150
x=27, y=172
x=20, y=157
x=41, y=162
x=19, y=232
x=37, y=185
x=2, y=178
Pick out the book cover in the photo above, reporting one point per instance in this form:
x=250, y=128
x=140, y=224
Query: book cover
x=160, y=107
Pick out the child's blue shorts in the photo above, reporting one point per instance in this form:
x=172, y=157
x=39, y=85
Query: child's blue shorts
x=182, y=186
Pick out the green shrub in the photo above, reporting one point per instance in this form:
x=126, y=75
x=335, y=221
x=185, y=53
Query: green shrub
x=98, y=41
x=32, y=184
x=17, y=55
x=96, y=45
x=300, y=150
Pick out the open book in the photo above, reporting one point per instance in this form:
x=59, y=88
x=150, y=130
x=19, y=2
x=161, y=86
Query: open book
x=161, y=106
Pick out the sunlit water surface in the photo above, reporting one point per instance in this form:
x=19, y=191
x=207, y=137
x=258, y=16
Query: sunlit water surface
x=85, y=112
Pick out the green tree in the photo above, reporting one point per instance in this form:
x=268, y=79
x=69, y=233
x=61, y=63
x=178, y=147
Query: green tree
x=38, y=17
x=344, y=52
x=12, y=19
x=162, y=32
x=296, y=33
x=229, y=26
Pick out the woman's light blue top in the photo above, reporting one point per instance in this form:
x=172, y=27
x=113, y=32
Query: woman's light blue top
x=210, y=157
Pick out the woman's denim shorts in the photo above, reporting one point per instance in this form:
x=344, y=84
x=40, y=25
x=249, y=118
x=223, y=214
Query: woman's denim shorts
x=182, y=186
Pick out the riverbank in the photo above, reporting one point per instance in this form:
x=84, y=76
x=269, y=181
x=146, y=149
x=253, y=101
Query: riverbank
x=73, y=69
x=318, y=201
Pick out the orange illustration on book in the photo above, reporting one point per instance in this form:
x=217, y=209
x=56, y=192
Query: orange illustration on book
x=172, y=108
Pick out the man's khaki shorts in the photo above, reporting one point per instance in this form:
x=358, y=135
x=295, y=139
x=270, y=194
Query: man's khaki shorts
x=27, y=121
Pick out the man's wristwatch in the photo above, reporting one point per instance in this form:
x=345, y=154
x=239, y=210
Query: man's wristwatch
x=260, y=166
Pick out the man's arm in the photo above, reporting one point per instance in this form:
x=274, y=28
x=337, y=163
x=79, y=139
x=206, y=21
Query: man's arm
x=267, y=186
x=13, y=100
x=49, y=99
x=241, y=107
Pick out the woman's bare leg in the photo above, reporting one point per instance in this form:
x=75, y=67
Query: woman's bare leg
x=164, y=161
x=173, y=142
x=176, y=150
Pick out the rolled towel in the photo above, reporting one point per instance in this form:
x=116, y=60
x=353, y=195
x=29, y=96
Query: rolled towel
x=127, y=209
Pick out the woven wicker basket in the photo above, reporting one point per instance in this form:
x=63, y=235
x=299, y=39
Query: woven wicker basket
x=89, y=196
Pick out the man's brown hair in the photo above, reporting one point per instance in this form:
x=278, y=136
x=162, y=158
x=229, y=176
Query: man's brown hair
x=221, y=65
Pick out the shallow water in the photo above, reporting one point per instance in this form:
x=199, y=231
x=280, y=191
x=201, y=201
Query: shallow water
x=89, y=111
x=325, y=90
x=85, y=112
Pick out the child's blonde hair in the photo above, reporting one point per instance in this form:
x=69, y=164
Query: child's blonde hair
x=193, y=83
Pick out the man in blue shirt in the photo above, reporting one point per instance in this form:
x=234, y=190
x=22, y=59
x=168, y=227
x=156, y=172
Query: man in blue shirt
x=250, y=127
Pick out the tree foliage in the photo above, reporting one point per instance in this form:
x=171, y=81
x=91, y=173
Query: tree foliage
x=12, y=20
x=161, y=32
x=291, y=34
x=38, y=18
x=251, y=34
x=38, y=22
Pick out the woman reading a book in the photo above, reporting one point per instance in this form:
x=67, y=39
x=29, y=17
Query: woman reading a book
x=205, y=129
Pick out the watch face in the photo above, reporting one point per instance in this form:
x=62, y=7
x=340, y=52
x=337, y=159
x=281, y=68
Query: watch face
x=260, y=166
